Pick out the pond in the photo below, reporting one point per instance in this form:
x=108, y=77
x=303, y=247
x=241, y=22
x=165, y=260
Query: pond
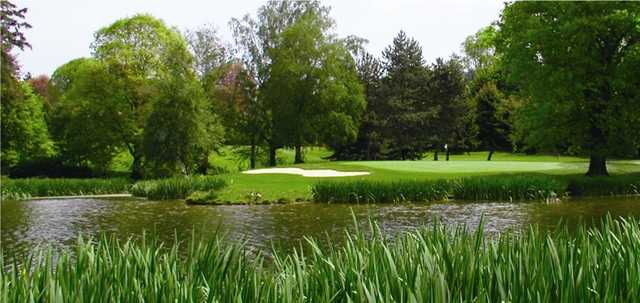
x=27, y=224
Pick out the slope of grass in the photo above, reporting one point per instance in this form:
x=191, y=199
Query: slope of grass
x=432, y=264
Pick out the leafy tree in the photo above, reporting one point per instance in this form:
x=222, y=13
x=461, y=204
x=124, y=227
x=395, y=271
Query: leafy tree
x=254, y=38
x=181, y=130
x=25, y=136
x=480, y=50
x=370, y=142
x=87, y=120
x=493, y=128
x=24, y=131
x=138, y=51
x=577, y=64
x=210, y=53
x=446, y=91
x=410, y=114
x=313, y=88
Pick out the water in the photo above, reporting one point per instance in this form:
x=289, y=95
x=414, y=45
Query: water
x=27, y=224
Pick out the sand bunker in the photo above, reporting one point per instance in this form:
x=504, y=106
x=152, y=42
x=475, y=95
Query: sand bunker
x=316, y=173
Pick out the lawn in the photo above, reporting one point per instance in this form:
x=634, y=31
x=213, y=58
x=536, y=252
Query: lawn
x=292, y=187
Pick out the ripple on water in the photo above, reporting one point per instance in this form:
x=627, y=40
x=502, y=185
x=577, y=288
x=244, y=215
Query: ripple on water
x=26, y=224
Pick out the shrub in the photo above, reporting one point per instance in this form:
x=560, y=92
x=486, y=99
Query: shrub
x=51, y=168
x=175, y=188
x=36, y=187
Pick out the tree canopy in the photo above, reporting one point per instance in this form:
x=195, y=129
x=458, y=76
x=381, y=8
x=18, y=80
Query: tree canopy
x=577, y=65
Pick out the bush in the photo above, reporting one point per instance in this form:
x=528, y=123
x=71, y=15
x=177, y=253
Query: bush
x=51, y=168
x=432, y=264
x=35, y=187
x=175, y=188
x=509, y=188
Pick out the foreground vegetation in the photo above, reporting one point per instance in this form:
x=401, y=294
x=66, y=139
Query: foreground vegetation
x=432, y=264
x=479, y=188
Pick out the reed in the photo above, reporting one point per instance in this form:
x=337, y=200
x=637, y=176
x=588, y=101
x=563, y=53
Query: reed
x=432, y=264
x=605, y=186
x=176, y=188
x=40, y=187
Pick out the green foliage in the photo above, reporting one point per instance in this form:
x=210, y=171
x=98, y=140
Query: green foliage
x=43, y=187
x=313, y=89
x=480, y=188
x=25, y=135
x=181, y=130
x=202, y=197
x=492, y=118
x=605, y=186
x=381, y=191
x=87, y=116
x=577, y=66
x=410, y=114
x=175, y=188
x=433, y=264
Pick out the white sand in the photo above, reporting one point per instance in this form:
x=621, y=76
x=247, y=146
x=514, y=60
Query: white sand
x=315, y=173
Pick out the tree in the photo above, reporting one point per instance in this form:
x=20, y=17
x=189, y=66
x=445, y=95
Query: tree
x=137, y=50
x=493, y=130
x=89, y=118
x=410, y=114
x=313, y=89
x=181, y=130
x=25, y=136
x=446, y=92
x=210, y=53
x=577, y=64
x=254, y=38
x=24, y=131
x=370, y=143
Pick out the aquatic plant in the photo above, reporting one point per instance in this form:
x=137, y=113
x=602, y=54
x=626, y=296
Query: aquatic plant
x=432, y=264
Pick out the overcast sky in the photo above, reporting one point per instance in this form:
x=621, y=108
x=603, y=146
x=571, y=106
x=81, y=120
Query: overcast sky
x=63, y=29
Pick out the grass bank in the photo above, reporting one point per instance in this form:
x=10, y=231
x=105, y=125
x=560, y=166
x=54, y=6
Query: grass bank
x=477, y=188
x=15, y=189
x=433, y=264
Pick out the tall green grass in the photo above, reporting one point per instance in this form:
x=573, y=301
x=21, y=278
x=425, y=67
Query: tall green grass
x=501, y=188
x=40, y=187
x=175, y=188
x=476, y=188
x=433, y=264
x=605, y=186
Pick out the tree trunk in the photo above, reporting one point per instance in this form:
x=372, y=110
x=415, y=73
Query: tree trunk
x=435, y=156
x=203, y=165
x=447, y=155
x=252, y=157
x=272, y=156
x=136, y=167
x=490, y=155
x=299, y=158
x=597, y=166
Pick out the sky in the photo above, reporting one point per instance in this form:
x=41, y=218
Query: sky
x=63, y=29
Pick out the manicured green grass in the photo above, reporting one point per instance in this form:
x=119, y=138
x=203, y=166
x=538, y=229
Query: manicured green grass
x=175, y=188
x=433, y=264
x=13, y=189
x=275, y=186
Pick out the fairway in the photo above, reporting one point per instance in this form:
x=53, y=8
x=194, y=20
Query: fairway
x=465, y=166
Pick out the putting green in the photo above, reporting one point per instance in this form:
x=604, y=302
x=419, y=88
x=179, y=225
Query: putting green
x=466, y=166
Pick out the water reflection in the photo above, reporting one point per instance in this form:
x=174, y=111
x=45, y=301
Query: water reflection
x=26, y=224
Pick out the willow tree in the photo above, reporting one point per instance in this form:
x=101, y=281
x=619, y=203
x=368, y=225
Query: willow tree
x=577, y=64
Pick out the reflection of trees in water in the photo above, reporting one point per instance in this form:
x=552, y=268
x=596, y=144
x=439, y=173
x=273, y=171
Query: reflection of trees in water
x=27, y=223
